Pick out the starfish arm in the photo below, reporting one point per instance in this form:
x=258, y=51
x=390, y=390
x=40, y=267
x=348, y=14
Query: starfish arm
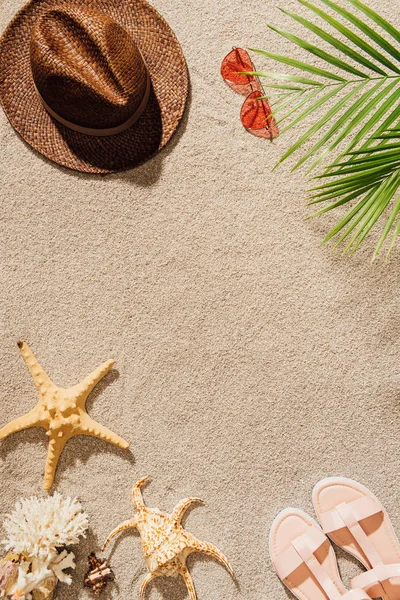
x=137, y=497
x=31, y=419
x=131, y=524
x=212, y=551
x=144, y=585
x=189, y=582
x=56, y=446
x=182, y=507
x=89, y=427
x=84, y=388
x=39, y=375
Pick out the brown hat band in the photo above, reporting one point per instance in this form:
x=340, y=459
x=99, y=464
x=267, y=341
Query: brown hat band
x=102, y=132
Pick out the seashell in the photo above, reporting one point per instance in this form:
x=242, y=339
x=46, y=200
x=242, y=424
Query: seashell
x=99, y=574
x=8, y=573
x=166, y=545
x=45, y=590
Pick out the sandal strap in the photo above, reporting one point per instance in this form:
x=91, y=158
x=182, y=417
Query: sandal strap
x=348, y=514
x=355, y=594
x=361, y=509
x=289, y=560
x=376, y=575
x=301, y=551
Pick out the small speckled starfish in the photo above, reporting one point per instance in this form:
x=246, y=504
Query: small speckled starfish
x=166, y=545
x=62, y=412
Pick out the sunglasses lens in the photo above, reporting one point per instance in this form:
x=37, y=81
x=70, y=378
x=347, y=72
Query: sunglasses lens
x=237, y=60
x=256, y=116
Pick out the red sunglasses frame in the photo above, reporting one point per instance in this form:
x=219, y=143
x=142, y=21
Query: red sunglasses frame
x=256, y=113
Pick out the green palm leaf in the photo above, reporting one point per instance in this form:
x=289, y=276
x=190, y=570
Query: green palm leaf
x=374, y=173
x=377, y=19
x=371, y=33
x=358, y=104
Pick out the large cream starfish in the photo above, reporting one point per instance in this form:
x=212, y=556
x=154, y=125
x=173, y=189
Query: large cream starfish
x=166, y=545
x=61, y=412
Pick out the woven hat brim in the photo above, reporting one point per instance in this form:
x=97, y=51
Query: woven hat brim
x=90, y=154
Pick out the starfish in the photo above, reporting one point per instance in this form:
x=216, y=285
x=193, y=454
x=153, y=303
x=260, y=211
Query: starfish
x=61, y=412
x=166, y=545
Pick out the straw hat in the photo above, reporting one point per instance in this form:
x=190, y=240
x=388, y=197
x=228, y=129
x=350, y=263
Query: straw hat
x=95, y=85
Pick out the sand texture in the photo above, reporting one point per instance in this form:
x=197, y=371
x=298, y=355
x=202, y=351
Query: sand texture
x=250, y=362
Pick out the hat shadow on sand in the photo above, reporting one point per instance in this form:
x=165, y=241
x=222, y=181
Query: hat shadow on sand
x=148, y=173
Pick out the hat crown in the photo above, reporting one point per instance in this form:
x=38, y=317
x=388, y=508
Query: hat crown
x=86, y=67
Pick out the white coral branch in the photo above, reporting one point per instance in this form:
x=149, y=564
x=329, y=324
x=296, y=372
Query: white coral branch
x=27, y=581
x=65, y=560
x=38, y=526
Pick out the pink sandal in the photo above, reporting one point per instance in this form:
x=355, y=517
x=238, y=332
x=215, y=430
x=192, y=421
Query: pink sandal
x=357, y=522
x=304, y=559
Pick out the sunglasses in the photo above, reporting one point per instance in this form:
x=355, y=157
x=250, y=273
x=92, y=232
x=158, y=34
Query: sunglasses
x=256, y=113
